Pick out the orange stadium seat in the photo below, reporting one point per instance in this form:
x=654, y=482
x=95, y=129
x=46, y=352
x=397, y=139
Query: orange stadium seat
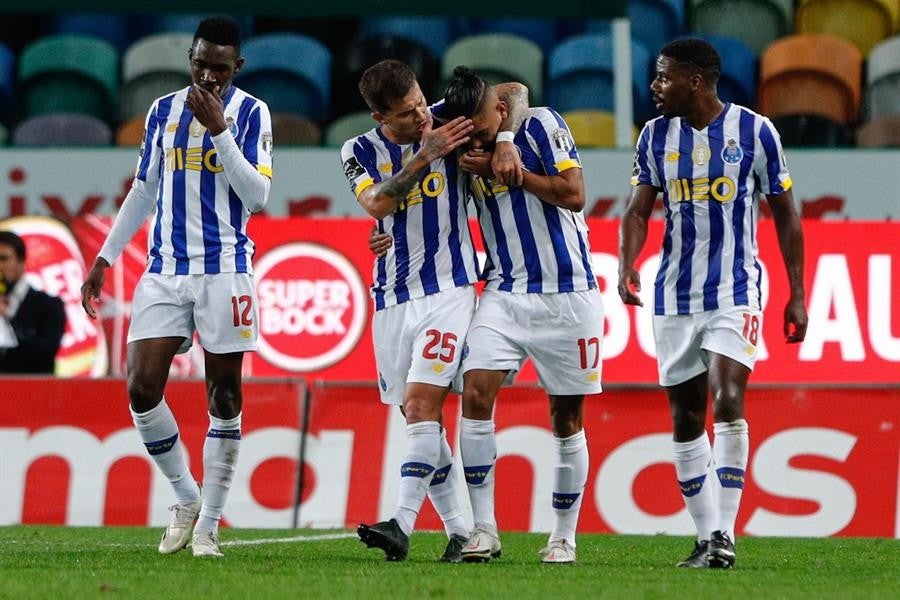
x=883, y=79
x=131, y=132
x=814, y=74
x=863, y=22
x=757, y=23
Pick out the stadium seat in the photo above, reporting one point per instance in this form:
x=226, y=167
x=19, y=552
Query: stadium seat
x=294, y=130
x=882, y=132
x=738, y=80
x=69, y=73
x=131, y=132
x=187, y=23
x=812, y=131
x=654, y=23
x=3, y=135
x=290, y=72
x=433, y=33
x=62, y=129
x=7, y=81
x=757, y=23
x=499, y=57
x=359, y=55
x=153, y=66
x=811, y=74
x=114, y=28
x=883, y=79
x=863, y=22
x=594, y=128
x=347, y=127
x=580, y=75
x=542, y=32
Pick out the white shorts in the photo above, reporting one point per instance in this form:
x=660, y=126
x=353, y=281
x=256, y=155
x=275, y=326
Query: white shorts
x=561, y=333
x=421, y=341
x=221, y=308
x=683, y=341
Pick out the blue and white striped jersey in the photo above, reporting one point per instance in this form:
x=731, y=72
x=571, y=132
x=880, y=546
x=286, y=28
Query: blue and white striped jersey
x=432, y=249
x=533, y=246
x=200, y=225
x=711, y=181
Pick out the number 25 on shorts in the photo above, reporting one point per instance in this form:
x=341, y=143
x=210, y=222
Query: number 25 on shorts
x=440, y=346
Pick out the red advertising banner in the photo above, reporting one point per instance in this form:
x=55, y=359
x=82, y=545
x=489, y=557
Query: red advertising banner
x=312, y=278
x=823, y=462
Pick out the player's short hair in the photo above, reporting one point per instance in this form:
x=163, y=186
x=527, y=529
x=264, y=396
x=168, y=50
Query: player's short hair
x=8, y=238
x=220, y=30
x=465, y=94
x=697, y=55
x=385, y=82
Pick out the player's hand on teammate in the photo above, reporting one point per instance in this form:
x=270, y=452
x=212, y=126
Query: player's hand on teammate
x=630, y=286
x=795, y=321
x=477, y=162
x=379, y=242
x=207, y=107
x=506, y=164
x=445, y=139
x=90, y=289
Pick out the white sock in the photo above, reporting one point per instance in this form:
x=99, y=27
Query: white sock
x=692, y=466
x=731, y=449
x=220, y=455
x=478, y=449
x=442, y=492
x=159, y=431
x=569, y=479
x=423, y=448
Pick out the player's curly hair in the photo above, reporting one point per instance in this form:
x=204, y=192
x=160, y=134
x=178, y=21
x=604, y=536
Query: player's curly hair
x=386, y=82
x=697, y=55
x=465, y=94
x=220, y=30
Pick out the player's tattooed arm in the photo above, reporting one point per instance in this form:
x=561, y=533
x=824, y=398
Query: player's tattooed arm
x=506, y=162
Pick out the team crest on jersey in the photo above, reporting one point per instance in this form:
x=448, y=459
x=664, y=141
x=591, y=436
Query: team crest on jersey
x=562, y=140
x=352, y=169
x=232, y=127
x=196, y=129
x=732, y=153
x=700, y=155
x=266, y=140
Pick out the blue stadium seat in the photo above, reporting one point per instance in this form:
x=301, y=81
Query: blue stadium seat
x=7, y=80
x=738, y=80
x=580, y=75
x=62, y=129
x=112, y=27
x=434, y=33
x=654, y=23
x=187, y=23
x=542, y=32
x=290, y=72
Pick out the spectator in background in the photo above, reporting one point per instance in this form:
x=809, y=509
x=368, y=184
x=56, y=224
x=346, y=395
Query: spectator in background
x=32, y=323
x=711, y=160
x=205, y=166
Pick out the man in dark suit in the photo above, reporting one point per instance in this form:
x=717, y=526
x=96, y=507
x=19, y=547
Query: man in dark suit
x=31, y=322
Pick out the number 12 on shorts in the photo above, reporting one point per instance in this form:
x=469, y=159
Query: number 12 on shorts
x=241, y=307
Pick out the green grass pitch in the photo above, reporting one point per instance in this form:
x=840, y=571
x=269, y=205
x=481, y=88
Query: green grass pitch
x=122, y=562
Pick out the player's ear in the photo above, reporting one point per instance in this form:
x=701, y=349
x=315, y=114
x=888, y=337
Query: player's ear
x=378, y=117
x=238, y=64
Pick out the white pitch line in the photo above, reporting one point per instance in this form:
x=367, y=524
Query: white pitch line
x=288, y=540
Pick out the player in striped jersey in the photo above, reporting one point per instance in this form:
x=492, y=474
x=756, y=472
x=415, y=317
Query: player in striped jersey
x=711, y=160
x=540, y=301
x=404, y=173
x=205, y=166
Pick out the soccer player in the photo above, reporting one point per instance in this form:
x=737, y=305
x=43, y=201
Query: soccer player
x=205, y=166
x=711, y=160
x=540, y=301
x=404, y=173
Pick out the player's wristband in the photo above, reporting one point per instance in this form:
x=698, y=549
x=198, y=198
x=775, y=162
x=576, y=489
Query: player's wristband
x=505, y=136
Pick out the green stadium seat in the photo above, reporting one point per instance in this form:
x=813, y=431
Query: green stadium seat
x=757, y=23
x=62, y=129
x=347, y=127
x=883, y=79
x=863, y=22
x=151, y=67
x=295, y=130
x=499, y=58
x=69, y=73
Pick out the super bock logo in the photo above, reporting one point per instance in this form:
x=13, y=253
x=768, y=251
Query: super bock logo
x=312, y=306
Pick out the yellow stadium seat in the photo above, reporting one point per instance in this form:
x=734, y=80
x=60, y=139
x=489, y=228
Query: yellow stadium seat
x=594, y=128
x=863, y=22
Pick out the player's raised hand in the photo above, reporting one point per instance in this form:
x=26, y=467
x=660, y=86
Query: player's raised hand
x=630, y=286
x=90, y=289
x=795, y=321
x=207, y=107
x=446, y=138
x=506, y=163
